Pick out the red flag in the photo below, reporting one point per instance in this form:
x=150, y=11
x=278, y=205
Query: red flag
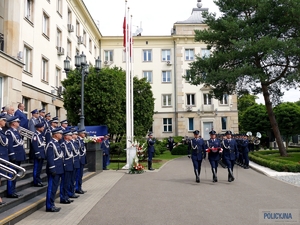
x=124, y=32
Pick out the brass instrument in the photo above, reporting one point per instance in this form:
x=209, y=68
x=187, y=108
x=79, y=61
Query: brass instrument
x=250, y=138
x=256, y=140
x=26, y=133
x=21, y=171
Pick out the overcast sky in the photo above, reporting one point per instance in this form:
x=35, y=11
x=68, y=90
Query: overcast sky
x=157, y=18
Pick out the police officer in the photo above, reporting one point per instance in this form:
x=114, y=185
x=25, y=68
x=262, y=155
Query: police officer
x=47, y=120
x=213, y=147
x=197, y=147
x=31, y=126
x=230, y=154
x=82, y=159
x=54, y=168
x=170, y=143
x=151, y=150
x=38, y=145
x=64, y=126
x=53, y=124
x=16, y=152
x=245, y=151
x=75, y=148
x=3, y=144
x=41, y=117
x=105, y=146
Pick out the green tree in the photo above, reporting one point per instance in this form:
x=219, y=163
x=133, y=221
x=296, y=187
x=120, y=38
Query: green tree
x=243, y=103
x=297, y=103
x=255, y=46
x=288, y=116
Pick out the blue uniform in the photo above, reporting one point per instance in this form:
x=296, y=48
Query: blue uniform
x=38, y=144
x=16, y=154
x=105, y=147
x=48, y=135
x=245, y=152
x=197, y=146
x=75, y=148
x=66, y=147
x=150, y=149
x=55, y=170
x=3, y=146
x=82, y=160
x=213, y=147
x=230, y=155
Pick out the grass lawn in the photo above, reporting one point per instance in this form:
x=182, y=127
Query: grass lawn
x=158, y=161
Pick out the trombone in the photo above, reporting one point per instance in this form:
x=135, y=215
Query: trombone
x=11, y=170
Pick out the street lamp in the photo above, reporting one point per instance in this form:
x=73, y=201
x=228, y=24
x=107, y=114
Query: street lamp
x=80, y=63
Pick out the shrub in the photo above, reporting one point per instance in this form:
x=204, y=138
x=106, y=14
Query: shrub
x=180, y=150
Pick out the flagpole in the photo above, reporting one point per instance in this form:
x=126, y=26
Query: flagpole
x=131, y=78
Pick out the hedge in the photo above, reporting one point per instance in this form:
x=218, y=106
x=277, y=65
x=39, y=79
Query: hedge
x=180, y=150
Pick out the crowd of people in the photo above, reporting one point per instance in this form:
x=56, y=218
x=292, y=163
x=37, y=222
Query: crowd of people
x=62, y=146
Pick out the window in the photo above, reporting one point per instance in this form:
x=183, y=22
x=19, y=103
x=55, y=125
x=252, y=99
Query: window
x=147, y=55
x=69, y=49
x=207, y=99
x=165, y=55
x=45, y=24
x=166, y=100
x=44, y=105
x=90, y=46
x=44, y=72
x=69, y=16
x=108, y=56
x=77, y=28
x=95, y=51
x=191, y=124
x=189, y=54
x=84, y=38
x=25, y=102
x=57, y=77
x=148, y=75
x=205, y=53
x=167, y=123
x=59, y=6
x=190, y=99
x=57, y=111
x=187, y=73
x=224, y=100
x=58, y=38
x=27, y=59
x=29, y=10
x=224, y=123
x=166, y=76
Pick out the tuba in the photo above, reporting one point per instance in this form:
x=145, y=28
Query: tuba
x=250, y=138
x=11, y=170
x=256, y=140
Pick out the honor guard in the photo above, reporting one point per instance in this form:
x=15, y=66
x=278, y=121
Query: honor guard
x=105, y=146
x=54, y=168
x=3, y=144
x=38, y=145
x=75, y=148
x=16, y=152
x=82, y=159
x=245, y=151
x=31, y=126
x=230, y=154
x=197, y=147
x=213, y=148
x=41, y=117
x=47, y=120
x=151, y=150
x=53, y=124
x=66, y=147
x=64, y=126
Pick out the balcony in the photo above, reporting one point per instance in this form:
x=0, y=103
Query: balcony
x=207, y=108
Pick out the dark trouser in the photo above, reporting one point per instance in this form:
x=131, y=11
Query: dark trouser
x=66, y=184
x=230, y=163
x=246, y=158
x=150, y=156
x=214, y=163
x=53, y=182
x=31, y=151
x=11, y=184
x=197, y=165
x=71, y=188
x=105, y=159
x=37, y=168
x=79, y=178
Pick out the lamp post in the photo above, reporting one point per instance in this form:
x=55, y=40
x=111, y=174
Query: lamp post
x=81, y=64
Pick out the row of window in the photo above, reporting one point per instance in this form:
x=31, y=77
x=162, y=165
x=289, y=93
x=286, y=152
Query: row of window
x=190, y=99
x=27, y=109
x=167, y=124
x=147, y=55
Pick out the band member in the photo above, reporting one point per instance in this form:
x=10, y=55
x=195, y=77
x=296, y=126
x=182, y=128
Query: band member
x=16, y=152
x=38, y=145
x=54, y=168
x=214, y=149
x=3, y=144
x=197, y=147
x=170, y=143
x=151, y=150
x=82, y=157
x=66, y=147
x=105, y=146
x=75, y=147
x=245, y=151
x=230, y=154
x=53, y=124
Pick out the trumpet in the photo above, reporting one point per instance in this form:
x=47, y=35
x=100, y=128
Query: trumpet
x=11, y=171
x=26, y=133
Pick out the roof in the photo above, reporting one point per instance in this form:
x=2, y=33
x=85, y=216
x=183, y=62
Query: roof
x=195, y=18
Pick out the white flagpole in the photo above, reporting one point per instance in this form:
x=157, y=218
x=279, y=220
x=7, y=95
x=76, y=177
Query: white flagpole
x=131, y=78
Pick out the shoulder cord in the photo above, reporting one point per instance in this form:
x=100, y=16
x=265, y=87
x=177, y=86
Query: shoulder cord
x=70, y=155
x=2, y=142
x=41, y=144
x=107, y=146
x=80, y=147
x=193, y=147
x=18, y=143
x=225, y=145
x=58, y=155
x=75, y=150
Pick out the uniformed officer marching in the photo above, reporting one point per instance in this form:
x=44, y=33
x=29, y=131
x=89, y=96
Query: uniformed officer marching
x=245, y=151
x=230, y=154
x=16, y=152
x=197, y=147
x=105, y=146
x=54, y=168
x=38, y=145
x=151, y=150
x=213, y=147
x=82, y=159
x=3, y=143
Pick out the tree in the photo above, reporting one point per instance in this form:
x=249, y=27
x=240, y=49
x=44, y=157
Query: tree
x=245, y=101
x=105, y=100
x=288, y=117
x=255, y=46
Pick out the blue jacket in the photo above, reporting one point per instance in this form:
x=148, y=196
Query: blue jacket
x=66, y=147
x=23, y=118
x=82, y=151
x=3, y=146
x=105, y=146
x=213, y=155
x=244, y=145
x=15, y=145
x=197, y=146
x=230, y=150
x=75, y=147
x=38, y=145
x=48, y=135
x=150, y=143
x=55, y=157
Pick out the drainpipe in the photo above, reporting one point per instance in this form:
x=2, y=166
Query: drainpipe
x=175, y=93
x=100, y=50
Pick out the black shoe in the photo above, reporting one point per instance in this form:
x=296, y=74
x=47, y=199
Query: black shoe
x=38, y=185
x=54, y=209
x=2, y=203
x=65, y=202
x=79, y=192
x=246, y=167
x=70, y=200
x=13, y=196
x=74, y=196
x=197, y=180
x=19, y=195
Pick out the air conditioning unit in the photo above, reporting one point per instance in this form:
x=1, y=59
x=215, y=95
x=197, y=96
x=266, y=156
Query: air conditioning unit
x=60, y=51
x=189, y=108
x=70, y=28
x=169, y=63
x=80, y=40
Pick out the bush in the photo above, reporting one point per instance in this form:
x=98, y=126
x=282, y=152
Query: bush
x=180, y=150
